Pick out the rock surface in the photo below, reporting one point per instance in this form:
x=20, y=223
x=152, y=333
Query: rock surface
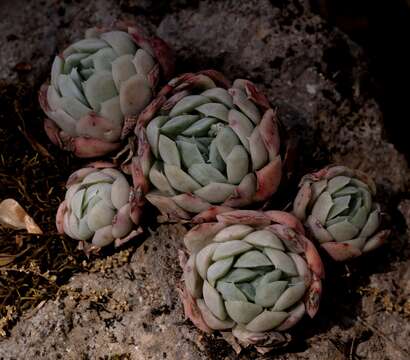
x=318, y=79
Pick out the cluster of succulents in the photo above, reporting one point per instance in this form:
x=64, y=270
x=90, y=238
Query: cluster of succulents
x=215, y=147
x=97, y=206
x=337, y=205
x=97, y=83
x=251, y=272
x=209, y=152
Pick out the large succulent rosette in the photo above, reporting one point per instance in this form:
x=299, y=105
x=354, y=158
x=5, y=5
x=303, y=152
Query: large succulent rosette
x=250, y=273
x=337, y=205
x=97, y=209
x=99, y=81
x=206, y=146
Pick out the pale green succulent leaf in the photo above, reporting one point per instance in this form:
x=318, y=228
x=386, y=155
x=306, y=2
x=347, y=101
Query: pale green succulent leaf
x=219, y=95
x=264, y=238
x=248, y=290
x=281, y=261
x=89, y=45
x=68, y=88
x=153, y=132
x=111, y=110
x=103, y=236
x=103, y=58
x=252, y=259
x=212, y=321
x=75, y=75
x=88, y=62
x=343, y=230
x=204, y=259
x=120, y=192
x=214, y=110
x=215, y=192
x=200, y=127
x=168, y=151
x=84, y=231
x=193, y=281
x=203, y=144
x=226, y=140
x=348, y=190
x=367, y=199
x=336, y=220
x=120, y=41
x=237, y=164
x=242, y=126
x=340, y=204
x=257, y=150
x=240, y=275
x=190, y=203
x=72, y=61
x=56, y=70
x=100, y=215
x=206, y=174
x=143, y=62
x=180, y=180
x=178, y=124
x=337, y=183
x=230, y=248
x=104, y=191
x=317, y=188
x=214, y=301
x=267, y=294
x=359, y=183
x=159, y=180
x=187, y=104
x=74, y=107
x=230, y=291
x=233, y=232
x=247, y=107
x=122, y=225
x=322, y=207
x=219, y=269
x=76, y=203
x=131, y=104
x=215, y=158
x=122, y=69
x=241, y=311
x=86, y=73
x=270, y=277
x=360, y=217
x=99, y=88
x=266, y=321
x=373, y=222
x=190, y=153
x=290, y=296
x=97, y=177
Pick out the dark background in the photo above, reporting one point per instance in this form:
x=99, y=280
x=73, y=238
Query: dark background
x=382, y=28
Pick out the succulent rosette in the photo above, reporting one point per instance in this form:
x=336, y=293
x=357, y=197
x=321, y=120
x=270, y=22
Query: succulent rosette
x=97, y=83
x=97, y=209
x=250, y=273
x=336, y=203
x=206, y=146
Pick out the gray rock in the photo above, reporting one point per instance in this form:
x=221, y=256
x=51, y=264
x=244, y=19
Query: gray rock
x=132, y=309
x=313, y=73
x=318, y=79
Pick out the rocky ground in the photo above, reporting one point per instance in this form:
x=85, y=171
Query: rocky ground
x=126, y=306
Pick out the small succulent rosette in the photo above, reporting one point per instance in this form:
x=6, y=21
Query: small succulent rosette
x=252, y=275
x=336, y=203
x=206, y=146
x=97, y=83
x=98, y=208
